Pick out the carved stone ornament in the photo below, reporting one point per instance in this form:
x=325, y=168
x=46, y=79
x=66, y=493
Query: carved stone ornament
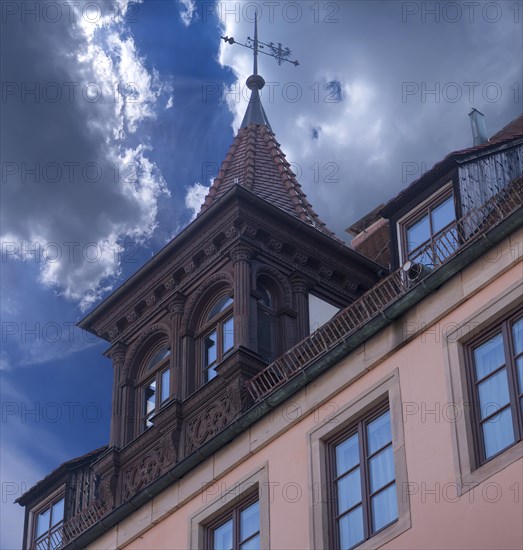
x=275, y=245
x=231, y=233
x=189, y=268
x=132, y=317
x=212, y=420
x=241, y=254
x=326, y=273
x=300, y=259
x=210, y=249
x=148, y=467
x=150, y=300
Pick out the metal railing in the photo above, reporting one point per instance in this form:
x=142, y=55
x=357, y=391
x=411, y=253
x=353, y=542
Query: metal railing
x=444, y=246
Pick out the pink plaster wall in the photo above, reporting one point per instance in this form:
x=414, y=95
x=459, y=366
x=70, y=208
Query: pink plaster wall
x=481, y=519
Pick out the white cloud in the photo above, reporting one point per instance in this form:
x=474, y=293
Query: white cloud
x=194, y=198
x=188, y=11
x=170, y=103
x=107, y=188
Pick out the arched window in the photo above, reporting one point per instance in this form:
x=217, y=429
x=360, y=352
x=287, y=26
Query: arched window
x=155, y=385
x=267, y=322
x=217, y=336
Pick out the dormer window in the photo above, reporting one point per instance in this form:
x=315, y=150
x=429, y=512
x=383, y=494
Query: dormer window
x=156, y=388
x=218, y=336
x=48, y=524
x=427, y=235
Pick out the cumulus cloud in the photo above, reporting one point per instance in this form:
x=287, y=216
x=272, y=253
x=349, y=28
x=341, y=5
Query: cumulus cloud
x=187, y=11
x=194, y=198
x=77, y=177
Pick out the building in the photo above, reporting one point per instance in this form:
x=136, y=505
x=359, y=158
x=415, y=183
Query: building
x=274, y=388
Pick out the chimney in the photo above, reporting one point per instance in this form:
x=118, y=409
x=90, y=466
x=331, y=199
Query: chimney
x=479, y=132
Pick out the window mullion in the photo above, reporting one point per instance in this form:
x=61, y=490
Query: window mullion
x=512, y=380
x=364, y=472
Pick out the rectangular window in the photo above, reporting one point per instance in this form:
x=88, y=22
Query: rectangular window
x=362, y=480
x=238, y=529
x=428, y=235
x=48, y=526
x=496, y=375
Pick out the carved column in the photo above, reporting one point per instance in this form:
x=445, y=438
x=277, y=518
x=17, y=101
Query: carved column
x=176, y=308
x=241, y=259
x=300, y=293
x=117, y=355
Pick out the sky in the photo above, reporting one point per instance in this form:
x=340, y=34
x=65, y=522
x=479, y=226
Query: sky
x=115, y=117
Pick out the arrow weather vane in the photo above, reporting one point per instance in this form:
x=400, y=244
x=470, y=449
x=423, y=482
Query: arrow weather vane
x=278, y=52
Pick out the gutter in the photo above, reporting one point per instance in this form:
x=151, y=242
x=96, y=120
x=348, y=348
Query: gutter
x=469, y=254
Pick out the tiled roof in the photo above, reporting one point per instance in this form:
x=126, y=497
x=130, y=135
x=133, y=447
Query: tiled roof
x=256, y=162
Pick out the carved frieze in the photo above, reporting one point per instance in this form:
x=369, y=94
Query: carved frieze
x=211, y=420
x=147, y=467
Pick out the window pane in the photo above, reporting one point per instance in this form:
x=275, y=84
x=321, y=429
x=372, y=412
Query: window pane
x=351, y=528
x=222, y=537
x=58, y=512
x=443, y=214
x=160, y=355
x=228, y=335
x=210, y=374
x=498, y=433
x=150, y=397
x=349, y=491
x=378, y=432
x=42, y=522
x=381, y=469
x=418, y=233
x=493, y=393
x=489, y=356
x=384, y=508
x=517, y=335
x=265, y=335
x=347, y=455
x=250, y=521
x=166, y=378
x=252, y=544
x=519, y=367
x=266, y=296
x=210, y=349
x=221, y=305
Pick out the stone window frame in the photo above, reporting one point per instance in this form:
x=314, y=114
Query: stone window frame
x=468, y=471
x=228, y=499
x=387, y=389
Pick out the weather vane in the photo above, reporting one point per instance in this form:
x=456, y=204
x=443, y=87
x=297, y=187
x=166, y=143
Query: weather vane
x=279, y=53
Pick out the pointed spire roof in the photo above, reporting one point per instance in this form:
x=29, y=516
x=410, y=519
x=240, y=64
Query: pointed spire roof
x=255, y=160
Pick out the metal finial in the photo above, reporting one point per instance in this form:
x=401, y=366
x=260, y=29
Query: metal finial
x=279, y=53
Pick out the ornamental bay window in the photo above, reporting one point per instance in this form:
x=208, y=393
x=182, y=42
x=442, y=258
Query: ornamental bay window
x=362, y=480
x=218, y=336
x=156, y=385
x=48, y=523
x=238, y=529
x=496, y=377
x=427, y=235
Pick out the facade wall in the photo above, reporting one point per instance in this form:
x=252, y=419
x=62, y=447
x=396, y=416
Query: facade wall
x=415, y=356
